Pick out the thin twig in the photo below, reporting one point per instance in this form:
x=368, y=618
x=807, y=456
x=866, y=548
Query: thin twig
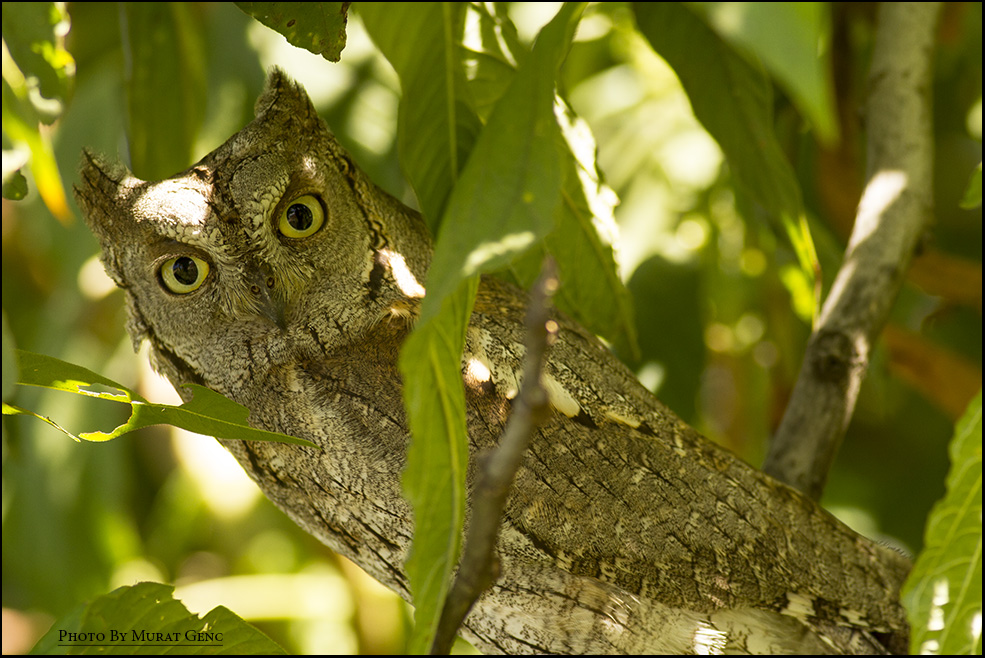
x=895, y=209
x=479, y=568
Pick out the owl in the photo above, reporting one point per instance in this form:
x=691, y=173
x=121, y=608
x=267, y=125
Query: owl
x=276, y=273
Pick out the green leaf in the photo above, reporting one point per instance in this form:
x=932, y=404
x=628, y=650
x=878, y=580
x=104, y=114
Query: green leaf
x=207, y=412
x=515, y=167
x=318, y=27
x=591, y=289
x=731, y=99
x=437, y=127
x=166, y=85
x=943, y=595
x=973, y=194
x=792, y=39
x=509, y=191
x=581, y=242
x=434, y=480
x=145, y=618
x=436, y=95
x=491, y=61
x=734, y=102
x=35, y=36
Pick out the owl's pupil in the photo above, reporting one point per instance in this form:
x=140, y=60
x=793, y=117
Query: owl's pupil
x=299, y=216
x=185, y=271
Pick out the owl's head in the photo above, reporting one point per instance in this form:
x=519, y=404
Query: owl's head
x=272, y=247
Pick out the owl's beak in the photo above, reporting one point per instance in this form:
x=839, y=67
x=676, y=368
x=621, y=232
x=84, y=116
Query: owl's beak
x=274, y=308
x=271, y=304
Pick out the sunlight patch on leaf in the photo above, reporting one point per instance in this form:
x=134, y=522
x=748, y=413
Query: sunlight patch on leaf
x=506, y=245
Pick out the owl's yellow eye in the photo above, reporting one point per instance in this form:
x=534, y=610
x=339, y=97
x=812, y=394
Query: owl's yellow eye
x=184, y=274
x=302, y=218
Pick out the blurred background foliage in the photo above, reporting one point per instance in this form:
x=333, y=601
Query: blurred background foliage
x=723, y=309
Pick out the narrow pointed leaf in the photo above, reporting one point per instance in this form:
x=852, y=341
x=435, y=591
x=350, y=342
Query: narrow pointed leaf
x=437, y=126
x=516, y=168
x=777, y=33
x=510, y=188
x=943, y=595
x=207, y=412
x=434, y=480
x=733, y=100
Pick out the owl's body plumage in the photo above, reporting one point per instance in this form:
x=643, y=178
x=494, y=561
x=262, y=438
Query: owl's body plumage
x=276, y=273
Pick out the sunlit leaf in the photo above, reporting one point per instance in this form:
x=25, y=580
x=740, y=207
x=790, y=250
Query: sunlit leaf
x=582, y=243
x=943, y=595
x=35, y=36
x=318, y=27
x=22, y=125
x=509, y=191
x=206, y=413
x=491, y=54
x=145, y=618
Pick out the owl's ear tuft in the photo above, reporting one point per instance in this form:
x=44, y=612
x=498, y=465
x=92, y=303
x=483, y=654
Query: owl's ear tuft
x=281, y=92
x=103, y=185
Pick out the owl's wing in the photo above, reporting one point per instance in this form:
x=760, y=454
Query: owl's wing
x=618, y=489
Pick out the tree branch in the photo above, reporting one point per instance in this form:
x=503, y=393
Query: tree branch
x=479, y=568
x=896, y=207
